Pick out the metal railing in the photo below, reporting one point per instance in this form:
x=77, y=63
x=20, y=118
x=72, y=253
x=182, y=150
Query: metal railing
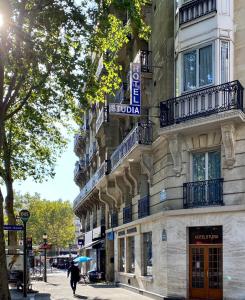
x=144, y=207
x=140, y=134
x=127, y=214
x=201, y=103
x=114, y=219
x=102, y=117
x=91, y=184
x=146, y=61
x=195, y=9
x=203, y=193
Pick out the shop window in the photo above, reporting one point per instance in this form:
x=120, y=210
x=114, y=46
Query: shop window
x=121, y=255
x=147, y=254
x=198, y=68
x=131, y=254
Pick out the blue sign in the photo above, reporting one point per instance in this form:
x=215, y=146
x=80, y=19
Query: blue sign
x=110, y=236
x=135, y=84
x=124, y=109
x=13, y=227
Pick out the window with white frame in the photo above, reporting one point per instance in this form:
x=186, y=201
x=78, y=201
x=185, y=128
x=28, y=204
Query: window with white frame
x=198, y=68
x=147, y=254
x=131, y=254
x=224, y=61
x=121, y=254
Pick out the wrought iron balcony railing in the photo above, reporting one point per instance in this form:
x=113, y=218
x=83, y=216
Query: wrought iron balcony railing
x=195, y=9
x=201, y=103
x=140, y=134
x=91, y=184
x=143, y=207
x=102, y=118
x=114, y=219
x=146, y=61
x=127, y=214
x=203, y=193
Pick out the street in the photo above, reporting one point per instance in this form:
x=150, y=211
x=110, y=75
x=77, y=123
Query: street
x=58, y=288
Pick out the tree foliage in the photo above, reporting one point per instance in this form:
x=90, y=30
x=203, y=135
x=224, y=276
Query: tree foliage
x=55, y=218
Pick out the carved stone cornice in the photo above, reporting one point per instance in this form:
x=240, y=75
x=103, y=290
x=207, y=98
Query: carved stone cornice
x=175, y=148
x=106, y=199
x=113, y=192
x=122, y=186
x=228, y=138
x=134, y=173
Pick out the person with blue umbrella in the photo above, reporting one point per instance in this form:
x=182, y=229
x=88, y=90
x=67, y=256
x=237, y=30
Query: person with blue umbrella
x=75, y=276
x=82, y=259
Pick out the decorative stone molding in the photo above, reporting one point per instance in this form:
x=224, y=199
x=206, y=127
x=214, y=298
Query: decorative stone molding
x=228, y=138
x=121, y=184
x=129, y=181
x=202, y=141
x=146, y=163
x=175, y=147
x=106, y=199
x=134, y=173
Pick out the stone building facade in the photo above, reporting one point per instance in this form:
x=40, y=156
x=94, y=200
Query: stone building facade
x=162, y=199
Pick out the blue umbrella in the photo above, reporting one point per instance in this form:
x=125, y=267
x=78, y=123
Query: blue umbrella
x=81, y=259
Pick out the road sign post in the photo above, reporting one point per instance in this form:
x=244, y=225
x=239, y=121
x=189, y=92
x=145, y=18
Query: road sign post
x=24, y=216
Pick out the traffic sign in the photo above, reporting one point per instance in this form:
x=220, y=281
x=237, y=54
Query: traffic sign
x=24, y=215
x=13, y=227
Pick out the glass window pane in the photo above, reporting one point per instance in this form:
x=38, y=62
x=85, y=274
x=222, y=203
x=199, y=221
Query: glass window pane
x=214, y=168
x=147, y=254
x=198, y=167
x=122, y=255
x=224, y=62
x=205, y=66
x=131, y=254
x=189, y=71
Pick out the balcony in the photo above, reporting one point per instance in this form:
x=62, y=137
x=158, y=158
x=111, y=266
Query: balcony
x=114, y=219
x=203, y=193
x=91, y=184
x=79, y=144
x=102, y=118
x=127, y=214
x=196, y=9
x=79, y=172
x=143, y=207
x=141, y=134
x=202, y=103
x=146, y=61
x=92, y=151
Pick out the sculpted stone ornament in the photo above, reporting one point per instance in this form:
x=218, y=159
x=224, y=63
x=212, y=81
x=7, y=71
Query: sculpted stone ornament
x=175, y=145
x=228, y=137
x=147, y=165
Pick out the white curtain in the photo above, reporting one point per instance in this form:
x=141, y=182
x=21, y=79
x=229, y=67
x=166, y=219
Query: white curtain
x=189, y=71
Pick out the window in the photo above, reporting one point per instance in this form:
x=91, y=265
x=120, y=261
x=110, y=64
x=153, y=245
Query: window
x=198, y=68
x=224, y=61
x=121, y=255
x=147, y=254
x=206, y=166
x=131, y=254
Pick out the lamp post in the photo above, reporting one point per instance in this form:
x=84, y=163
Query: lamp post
x=45, y=238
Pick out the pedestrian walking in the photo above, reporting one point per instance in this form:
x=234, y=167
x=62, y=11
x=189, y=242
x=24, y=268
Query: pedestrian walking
x=75, y=276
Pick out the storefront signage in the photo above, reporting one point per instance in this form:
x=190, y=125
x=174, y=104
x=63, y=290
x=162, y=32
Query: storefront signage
x=97, y=233
x=135, y=84
x=88, y=237
x=80, y=242
x=110, y=236
x=205, y=235
x=124, y=109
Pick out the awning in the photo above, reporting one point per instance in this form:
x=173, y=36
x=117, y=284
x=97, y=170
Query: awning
x=91, y=244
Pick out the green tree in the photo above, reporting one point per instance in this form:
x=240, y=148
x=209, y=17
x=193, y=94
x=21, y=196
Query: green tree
x=55, y=218
x=40, y=66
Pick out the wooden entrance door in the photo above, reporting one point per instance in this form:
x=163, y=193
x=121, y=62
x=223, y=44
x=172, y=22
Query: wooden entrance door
x=206, y=272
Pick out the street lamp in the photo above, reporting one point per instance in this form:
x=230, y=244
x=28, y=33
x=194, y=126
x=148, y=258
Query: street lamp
x=45, y=238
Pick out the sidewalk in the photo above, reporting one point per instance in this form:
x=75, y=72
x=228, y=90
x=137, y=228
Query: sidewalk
x=58, y=288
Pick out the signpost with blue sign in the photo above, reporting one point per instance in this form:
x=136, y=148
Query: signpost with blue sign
x=134, y=108
x=13, y=227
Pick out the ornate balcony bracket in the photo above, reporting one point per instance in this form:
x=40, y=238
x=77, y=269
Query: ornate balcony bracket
x=122, y=186
x=228, y=138
x=114, y=193
x=147, y=165
x=134, y=173
x=129, y=181
x=175, y=147
x=106, y=199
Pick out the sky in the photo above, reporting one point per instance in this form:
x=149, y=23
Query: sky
x=62, y=186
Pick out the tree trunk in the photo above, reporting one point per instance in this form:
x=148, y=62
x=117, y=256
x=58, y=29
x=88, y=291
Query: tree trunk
x=9, y=207
x=4, y=290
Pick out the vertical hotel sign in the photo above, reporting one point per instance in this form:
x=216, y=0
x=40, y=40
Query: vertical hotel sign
x=135, y=84
x=134, y=108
